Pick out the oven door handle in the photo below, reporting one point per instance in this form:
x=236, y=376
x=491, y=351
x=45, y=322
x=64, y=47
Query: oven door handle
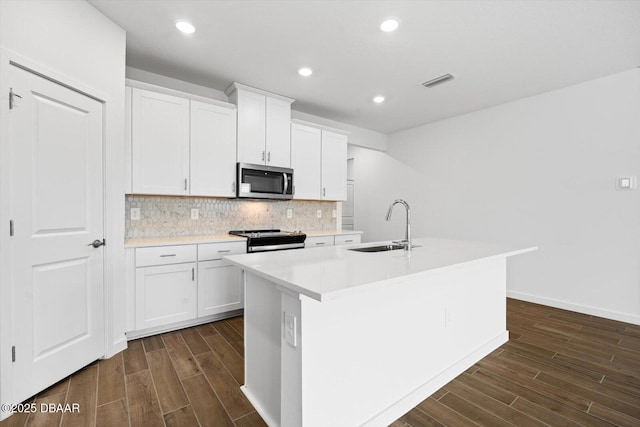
x=286, y=183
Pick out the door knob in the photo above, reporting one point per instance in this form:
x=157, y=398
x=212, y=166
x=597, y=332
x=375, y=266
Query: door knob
x=97, y=243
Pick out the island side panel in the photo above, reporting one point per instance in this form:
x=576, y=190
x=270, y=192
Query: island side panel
x=291, y=405
x=262, y=320
x=368, y=358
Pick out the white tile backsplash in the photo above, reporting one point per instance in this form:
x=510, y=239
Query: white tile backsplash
x=165, y=216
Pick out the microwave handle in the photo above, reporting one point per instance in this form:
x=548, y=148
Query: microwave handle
x=286, y=183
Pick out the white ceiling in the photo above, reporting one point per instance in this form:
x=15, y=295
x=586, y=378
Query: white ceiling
x=498, y=51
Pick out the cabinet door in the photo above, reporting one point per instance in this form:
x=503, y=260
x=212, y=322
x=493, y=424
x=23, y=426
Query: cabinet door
x=165, y=294
x=278, y=133
x=128, y=188
x=305, y=161
x=219, y=288
x=251, y=127
x=334, y=166
x=213, y=150
x=160, y=143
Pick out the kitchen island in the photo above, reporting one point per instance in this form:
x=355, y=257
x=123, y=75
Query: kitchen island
x=336, y=337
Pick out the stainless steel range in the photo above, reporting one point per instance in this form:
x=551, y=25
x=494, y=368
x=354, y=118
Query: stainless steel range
x=271, y=240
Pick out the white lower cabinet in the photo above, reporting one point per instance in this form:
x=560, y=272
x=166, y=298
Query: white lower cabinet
x=219, y=287
x=337, y=240
x=347, y=239
x=165, y=294
x=318, y=241
x=175, y=284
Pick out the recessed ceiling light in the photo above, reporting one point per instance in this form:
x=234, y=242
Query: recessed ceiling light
x=185, y=27
x=378, y=99
x=305, y=71
x=389, y=25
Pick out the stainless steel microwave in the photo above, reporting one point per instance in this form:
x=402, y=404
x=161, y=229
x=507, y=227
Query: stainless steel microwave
x=264, y=182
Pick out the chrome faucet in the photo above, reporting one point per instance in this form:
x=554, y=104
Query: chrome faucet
x=407, y=236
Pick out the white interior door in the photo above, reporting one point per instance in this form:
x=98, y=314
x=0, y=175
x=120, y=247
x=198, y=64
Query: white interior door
x=56, y=144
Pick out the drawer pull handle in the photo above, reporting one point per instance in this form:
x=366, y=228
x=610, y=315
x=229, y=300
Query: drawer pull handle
x=349, y=241
x=226, y=250
x=166, y=255
x=320, y=243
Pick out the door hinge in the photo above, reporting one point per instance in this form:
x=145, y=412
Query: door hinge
x=10, y=227
x=13, y=102
x=13, y=353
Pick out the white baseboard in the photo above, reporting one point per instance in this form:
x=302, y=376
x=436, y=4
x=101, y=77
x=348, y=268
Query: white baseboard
x=579, y=308
x=116, y=347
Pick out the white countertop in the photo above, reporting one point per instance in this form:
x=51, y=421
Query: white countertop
x=334, y=271
x=214, y=238
x=181, y=240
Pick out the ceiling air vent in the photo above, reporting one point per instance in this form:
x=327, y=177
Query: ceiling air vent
x=438, y=80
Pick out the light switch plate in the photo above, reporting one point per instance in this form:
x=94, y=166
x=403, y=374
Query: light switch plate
x=289, y=213
x=290, y=329
x=135, y=214
x=334, y=213
x=195, y=213
x=319, y=213
x=626, y=183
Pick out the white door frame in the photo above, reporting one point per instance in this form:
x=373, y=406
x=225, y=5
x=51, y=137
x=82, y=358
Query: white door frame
x=112, y=345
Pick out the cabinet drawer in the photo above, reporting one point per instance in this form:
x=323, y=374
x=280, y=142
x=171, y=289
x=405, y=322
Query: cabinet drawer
x=347, y=239
x=162, y=255
x=212, y=251
x=318, y=241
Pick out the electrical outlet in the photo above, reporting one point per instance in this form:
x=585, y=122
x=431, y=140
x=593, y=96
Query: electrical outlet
x=195, y=213
x=334, y=213
x=319, y=213
x=289, y=213
x=135, y=214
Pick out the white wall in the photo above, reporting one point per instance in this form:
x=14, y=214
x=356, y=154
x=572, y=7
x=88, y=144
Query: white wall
x=81, y=46
x=175, y=84
x=536, y=171
x=357, y=136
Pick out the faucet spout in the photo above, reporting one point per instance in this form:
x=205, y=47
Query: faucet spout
x=407, y=236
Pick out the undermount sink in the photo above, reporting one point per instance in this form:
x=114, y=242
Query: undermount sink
x=381, y=248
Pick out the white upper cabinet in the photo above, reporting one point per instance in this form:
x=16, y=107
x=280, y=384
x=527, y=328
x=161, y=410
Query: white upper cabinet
x=178, y=145
x=160, y=143
x=278, y=133
x=334, y=166
x=251, y=127
x=264, y=132
x=319, y=162
x=128, y=93
x=213, y=150
x=305, y=161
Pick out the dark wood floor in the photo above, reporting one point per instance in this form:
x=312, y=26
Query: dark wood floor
x=558, y=369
